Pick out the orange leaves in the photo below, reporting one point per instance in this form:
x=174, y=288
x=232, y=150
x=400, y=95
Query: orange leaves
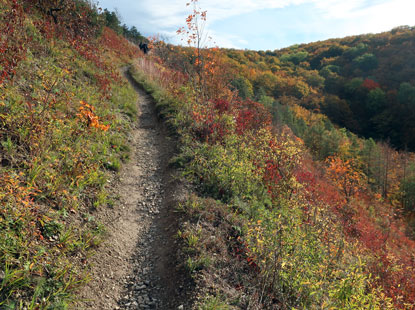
x=180, y=30
x=345, y=174
x=204, y=73
x=13, y=189
x=193, y=33
x=86, y=114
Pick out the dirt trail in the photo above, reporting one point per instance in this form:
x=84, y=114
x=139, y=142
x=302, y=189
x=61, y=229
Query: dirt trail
x=136, y=267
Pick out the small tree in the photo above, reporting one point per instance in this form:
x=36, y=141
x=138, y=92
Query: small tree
x=196, y=38
x=345, y=175
x=366, y=62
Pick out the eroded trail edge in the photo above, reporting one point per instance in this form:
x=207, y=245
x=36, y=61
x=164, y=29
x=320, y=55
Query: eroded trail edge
x=136, y=267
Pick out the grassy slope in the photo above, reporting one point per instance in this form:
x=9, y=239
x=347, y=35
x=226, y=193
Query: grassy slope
x=62, y=132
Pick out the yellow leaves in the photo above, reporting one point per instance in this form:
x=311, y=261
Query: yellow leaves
x=310, y=118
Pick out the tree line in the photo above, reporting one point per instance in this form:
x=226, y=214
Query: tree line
x=113, y=21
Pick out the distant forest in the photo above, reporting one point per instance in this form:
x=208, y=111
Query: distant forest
x=364, y=83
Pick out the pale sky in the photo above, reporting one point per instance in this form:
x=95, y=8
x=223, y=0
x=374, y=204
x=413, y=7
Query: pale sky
x=267, y=24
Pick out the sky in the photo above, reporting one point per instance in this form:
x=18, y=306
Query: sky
x=266, y=24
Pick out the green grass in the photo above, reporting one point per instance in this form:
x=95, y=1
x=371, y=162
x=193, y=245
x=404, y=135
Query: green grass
x=213, y=303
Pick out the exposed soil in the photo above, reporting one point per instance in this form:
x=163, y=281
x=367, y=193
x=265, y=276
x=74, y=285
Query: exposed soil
x=136, y=267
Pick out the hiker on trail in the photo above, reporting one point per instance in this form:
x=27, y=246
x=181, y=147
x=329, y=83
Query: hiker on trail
x=144, y=47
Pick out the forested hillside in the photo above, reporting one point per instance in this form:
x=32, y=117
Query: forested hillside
x=341, y=96
x=364, y=83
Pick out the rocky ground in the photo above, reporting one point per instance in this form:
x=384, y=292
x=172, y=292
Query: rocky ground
x=136, y=267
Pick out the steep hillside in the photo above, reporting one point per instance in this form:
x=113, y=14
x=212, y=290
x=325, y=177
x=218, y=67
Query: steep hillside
x=373, y=102
x=64, y=115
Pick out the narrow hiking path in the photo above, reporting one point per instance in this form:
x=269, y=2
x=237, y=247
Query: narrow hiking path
x=136, y=267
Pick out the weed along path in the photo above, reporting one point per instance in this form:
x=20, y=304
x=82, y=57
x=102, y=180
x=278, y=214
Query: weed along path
x=136, y=267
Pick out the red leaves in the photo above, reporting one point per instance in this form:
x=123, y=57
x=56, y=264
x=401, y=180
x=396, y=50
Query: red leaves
x=370, y=84
x=118, y=44
x=221, y=105
x=248, y=116
x=271, y=173
x=251, y=116
x=13, y=45
x=369, y=234
x=209, y=126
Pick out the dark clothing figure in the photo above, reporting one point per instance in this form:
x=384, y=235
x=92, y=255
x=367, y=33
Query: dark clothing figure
x=144, y=47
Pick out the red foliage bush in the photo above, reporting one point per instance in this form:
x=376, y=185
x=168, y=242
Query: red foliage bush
x=221, y=105
x=370, y=84
x=13, y=40
x=251, y=116
x=208, y=125
x=118, y=44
